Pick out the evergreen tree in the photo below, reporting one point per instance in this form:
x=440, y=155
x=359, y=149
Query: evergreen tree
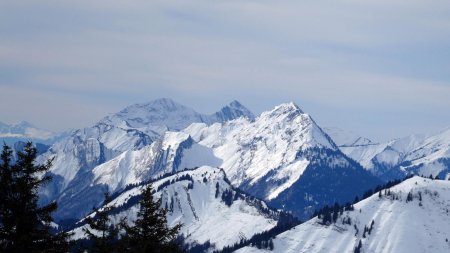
x=409, y=197
x=227, y=197
x=358, y=248
x=271, y=244
x=371, y=226
x=217, y=190
x=6, y=224
x=26, y=226
x=102, y=233
x=150, y=232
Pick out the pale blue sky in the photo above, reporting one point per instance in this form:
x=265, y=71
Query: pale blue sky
x=380, y=68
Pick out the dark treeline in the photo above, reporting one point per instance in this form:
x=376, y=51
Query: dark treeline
x=131, y=186
x=329, y=215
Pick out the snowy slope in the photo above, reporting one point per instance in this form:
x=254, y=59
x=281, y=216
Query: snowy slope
x=130, y=129
x=377, y=157
x=399, y=225
x=76, y=156
x=414, y=154
x=284, y=157
x=431, y=157
x=165, y=114
x=194, y=198
x=118, y=135
x=250, y=150
x=173, y=152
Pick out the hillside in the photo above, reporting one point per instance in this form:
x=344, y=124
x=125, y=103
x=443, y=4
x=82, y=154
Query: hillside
x=210, y=209
x=410, y=217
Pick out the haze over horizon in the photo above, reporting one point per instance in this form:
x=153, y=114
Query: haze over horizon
x=378, y=68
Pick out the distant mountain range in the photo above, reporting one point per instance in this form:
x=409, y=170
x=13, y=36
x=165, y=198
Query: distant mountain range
x=25, y=131
x=281, y=156
x=414, y=154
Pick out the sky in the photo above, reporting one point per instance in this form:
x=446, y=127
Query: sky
x=376, y=67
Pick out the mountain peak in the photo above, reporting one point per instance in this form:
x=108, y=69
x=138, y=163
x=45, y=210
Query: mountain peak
x=166, y=104
x=163, y=114
x=289, y=108
x=235, y=103
x=232, y=111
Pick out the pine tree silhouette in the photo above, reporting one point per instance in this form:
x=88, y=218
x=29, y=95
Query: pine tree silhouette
x=24, y=225
x=101, y=232
x=150, y=232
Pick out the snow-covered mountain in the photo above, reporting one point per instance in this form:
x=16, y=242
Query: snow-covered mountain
x=130, y=167
x=282, y=156
x=203, y=200
x=161, y=115
x=25, y=131
x=410, y=217
x=414, y=154
x=131, y=129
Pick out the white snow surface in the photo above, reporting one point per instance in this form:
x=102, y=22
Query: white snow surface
x=292, y=173
x=421, y=150
x=204, y=217
x=125, y=132
x=161, y=115
x=128, y=168
x=88, y=147
x=135, y=166
x=246, y=149
x=399, y=226
x=120, y=136
x=249, y=150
